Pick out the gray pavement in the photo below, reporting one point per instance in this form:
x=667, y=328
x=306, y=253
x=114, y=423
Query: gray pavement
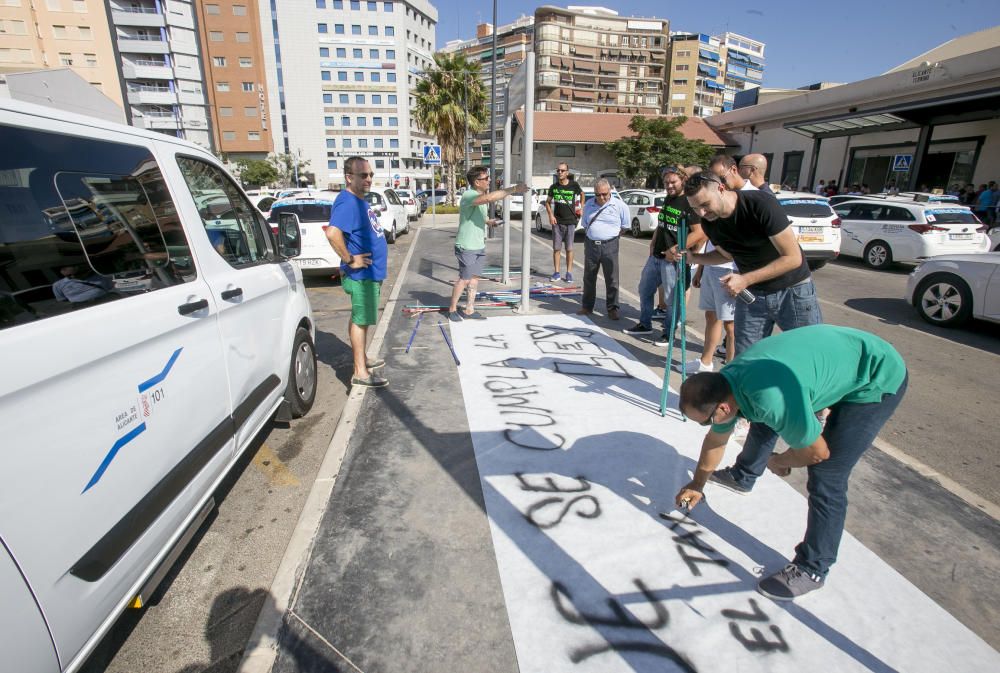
x=401, y=574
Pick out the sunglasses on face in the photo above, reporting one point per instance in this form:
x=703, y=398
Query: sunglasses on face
x=363, y=175
x=694, y=183
x=562, y=170
x=708, y=421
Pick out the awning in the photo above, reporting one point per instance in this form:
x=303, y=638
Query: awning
x=708, y=70
x=710, y=55
x=712, y=84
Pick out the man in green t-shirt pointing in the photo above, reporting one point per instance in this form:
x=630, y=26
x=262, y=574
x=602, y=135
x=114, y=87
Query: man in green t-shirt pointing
x=779, y=384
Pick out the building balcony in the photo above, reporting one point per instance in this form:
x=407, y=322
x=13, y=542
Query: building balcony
x=190, y=98
x=153, y=70
x=145, y=17
x=143, y=45
x=152, y=97
x=155, y=122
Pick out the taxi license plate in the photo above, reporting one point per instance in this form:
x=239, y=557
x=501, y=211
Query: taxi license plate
x=810, y=230
x=960, y=237
x=811, y=238
x=308, y=262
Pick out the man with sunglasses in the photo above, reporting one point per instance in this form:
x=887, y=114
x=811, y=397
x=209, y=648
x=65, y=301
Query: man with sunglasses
x=604, y=219
x=753, y=168
x=470, y=243
x=562, y=206
x=357, y=236
x=779, y=384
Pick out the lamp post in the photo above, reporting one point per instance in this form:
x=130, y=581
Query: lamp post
x=493, y=103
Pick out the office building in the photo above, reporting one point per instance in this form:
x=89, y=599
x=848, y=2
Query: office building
x=743, y=63
x=342, y=75
x=514, y=40
x=235, y=83
x=696, y=76
x=589, y=59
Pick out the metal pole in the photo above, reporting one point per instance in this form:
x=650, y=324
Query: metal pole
x=493, y=102
x=529, y=146
x=465, y=104
x=506, y=200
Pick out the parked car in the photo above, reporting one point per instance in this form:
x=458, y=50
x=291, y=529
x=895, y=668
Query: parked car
x=897, y=230
x=391, y=212
x=264, y=205
x=994, y=235
x=135, y=374
x=948, y=290
x=644, y=210
x=542, y=214
x=317, y=256
x=536, y=203
x=816, y=225
x=410, y=201
x=440, y=197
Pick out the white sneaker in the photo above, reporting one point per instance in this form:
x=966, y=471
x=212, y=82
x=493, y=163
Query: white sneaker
x=696, y=366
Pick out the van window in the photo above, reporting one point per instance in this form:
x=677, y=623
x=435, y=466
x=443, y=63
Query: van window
x=308, y=211
x=235, y=230
x=82, y=222
x=805, y=207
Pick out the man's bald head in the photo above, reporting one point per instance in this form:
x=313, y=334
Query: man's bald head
x=753, y=167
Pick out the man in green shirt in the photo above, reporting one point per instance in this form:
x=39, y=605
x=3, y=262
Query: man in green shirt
x=470, y=243
x=779, y=384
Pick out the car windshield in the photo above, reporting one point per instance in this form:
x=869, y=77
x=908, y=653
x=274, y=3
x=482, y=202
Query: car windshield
x=951, y=216
x=311, y=211
x=659, y=200
x=806, y=207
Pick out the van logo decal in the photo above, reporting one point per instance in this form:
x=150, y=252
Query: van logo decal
x=131, y=414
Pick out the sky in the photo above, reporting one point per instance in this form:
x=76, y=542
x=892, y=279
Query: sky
x=807, y=41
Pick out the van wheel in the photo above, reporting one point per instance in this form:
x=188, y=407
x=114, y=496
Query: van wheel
x=878, y=255
x=538, y=223
x=390, y=236
x=301, y=390
x=943, y=299
x=636, y=229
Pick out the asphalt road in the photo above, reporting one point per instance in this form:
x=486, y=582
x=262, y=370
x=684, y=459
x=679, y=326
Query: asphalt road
x=949, y=416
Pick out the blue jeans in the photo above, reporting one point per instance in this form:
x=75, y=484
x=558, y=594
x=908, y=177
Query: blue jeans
x=792, y=307
x=657, y=272
x=850, y=430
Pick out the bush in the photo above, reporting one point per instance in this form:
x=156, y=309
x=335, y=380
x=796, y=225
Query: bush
x=442, y=210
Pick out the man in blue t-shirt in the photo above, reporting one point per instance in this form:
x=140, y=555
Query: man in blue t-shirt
x=357, y=236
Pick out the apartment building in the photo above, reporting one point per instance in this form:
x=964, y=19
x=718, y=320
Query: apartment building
x=235, y=81
x=696, y=85
x=40, y=34
x=589, y=59
x=743, y=63
x=342, y=74
x=161, y=67
x=514, y=41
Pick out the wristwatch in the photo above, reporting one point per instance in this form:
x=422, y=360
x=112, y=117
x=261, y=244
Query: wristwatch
x=349, y=260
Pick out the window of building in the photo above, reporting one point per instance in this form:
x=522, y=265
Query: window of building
x=390, y=31
x=390, y=54
x=239, y=10
x=211, y=9
x=394, y=163
x=324, y=75
x=246, y=62
x=344, y=98
x=376, y=99
x=65, y=59
x=390, y=77
x=387, y=7
x=348, y=143
x=90, y=60
x=376, y=76
x=341, y=75
x=355, y=29
x=331, y=163
x=376, y=121
x=359, y=98
x=356, y=5
x=248, y=87
x=378, y=143
x=372, y=6
x=222, y=86
x=363, y=143
x=682, y=67
x=250, y=111
x=362, y=121
x=338, y=28
x=229, y=135
x=565, y=150
x=320, y=4
x=373, y=54
x=59, y=32
x=373, y=30
x=392, y=99
x=684, y=53
x=341, y=52
x=359, y=77
x=324, y=52
x=393, y=121
x=215, y=35
x=357, y=53
x=338, y=4
x=245, y=37
x=345, y=121
x=328, y=121
x=677, y=110
x=380, y=163
x=321, y=27
x=331, y=143
x=253, y=135
x=225, y=112
x=328, y=98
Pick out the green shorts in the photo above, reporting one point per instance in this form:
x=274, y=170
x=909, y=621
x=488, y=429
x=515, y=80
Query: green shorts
x=364, y=299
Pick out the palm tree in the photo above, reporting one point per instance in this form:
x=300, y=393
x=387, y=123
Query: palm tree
x=450, y=101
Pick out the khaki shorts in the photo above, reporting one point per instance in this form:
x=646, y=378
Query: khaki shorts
x=364, y=299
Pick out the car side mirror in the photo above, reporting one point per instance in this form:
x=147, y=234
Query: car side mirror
x=289, y=235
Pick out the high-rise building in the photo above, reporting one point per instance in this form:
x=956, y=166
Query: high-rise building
x=696, y=77
x=514, y=40
x=342, y=75
x=235, y=82
x=161, y=67
x=589, y=59
x=743, y=61
x=60, y=33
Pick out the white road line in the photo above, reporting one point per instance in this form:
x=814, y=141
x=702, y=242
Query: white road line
x=260, y=659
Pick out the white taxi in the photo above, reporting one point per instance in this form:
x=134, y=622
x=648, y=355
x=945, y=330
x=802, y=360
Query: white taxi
x=815, y=224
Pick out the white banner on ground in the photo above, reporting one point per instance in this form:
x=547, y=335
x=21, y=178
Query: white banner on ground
x=601, y=573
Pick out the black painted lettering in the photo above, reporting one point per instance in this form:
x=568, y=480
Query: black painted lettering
x=757, y=642
x=693, y=561
x=756, y=616
x=590, y=502
x=549, y=485
x=542, y=332
x=598, y=366
x=528, y=438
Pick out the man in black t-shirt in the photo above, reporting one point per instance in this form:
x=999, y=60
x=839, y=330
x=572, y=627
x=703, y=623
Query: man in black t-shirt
x=661, y=266
x=750, y=228
x=564, y=204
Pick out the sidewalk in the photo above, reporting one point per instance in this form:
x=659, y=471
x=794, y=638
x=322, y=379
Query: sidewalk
x=404, y=569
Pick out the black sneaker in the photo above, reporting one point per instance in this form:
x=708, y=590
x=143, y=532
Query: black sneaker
x=637, y=329
x=662, y=340
x=725, y=479
x=373, y=381
x=475, y=315
x=789, y=583
x=455, y=316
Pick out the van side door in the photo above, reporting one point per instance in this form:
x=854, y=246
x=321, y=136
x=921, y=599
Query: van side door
x=113, y=396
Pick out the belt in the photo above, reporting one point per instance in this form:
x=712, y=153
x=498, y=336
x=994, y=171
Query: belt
x=607, y=240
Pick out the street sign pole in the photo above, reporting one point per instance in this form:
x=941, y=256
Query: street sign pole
x=526, y=217
x=432, y=158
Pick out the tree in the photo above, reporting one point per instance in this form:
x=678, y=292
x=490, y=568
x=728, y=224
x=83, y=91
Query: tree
x=450, y=102
x=657, y=142
x=256, y=172
x=285, y=165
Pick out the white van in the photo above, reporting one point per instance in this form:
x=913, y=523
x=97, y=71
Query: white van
x=150, y=326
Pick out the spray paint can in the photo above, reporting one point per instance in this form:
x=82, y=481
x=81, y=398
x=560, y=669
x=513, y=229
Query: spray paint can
x=746, y=296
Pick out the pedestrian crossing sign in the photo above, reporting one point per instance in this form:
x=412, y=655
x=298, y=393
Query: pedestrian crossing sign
x=901, y=163
x=432, y=155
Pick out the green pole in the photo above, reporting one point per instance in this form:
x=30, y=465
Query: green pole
x=678, y=309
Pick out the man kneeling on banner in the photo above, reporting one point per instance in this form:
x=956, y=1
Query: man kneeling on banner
x=779, y=384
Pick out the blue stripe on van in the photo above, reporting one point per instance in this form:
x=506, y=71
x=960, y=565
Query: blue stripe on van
x=146, y=385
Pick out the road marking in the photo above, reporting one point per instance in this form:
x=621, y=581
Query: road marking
x=273, y=468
